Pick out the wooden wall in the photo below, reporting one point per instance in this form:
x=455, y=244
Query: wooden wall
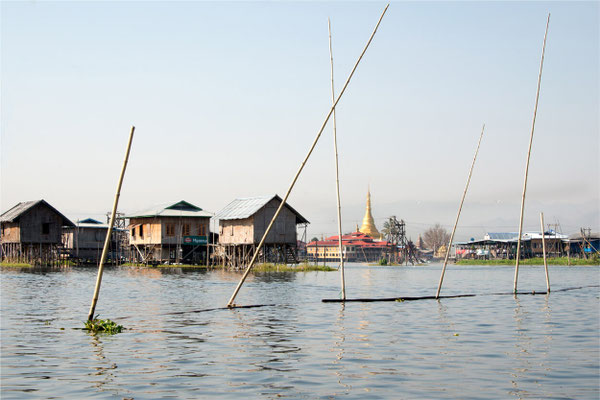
x=11, y=232
x=155, y=229
x=236, y=231
x=284, y=229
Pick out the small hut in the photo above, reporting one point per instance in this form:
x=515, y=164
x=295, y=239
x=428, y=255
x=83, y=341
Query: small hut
x=242, y=224
x=32, y=232
x=173, y=233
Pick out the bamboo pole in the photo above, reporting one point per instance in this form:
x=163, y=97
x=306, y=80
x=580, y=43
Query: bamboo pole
x=337, y=171
x=110, y=226
x=537, y=97
x=437, y=294
x=544, y=251
x=262, y=241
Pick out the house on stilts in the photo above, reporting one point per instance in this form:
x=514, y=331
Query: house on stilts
x=32, y=233
x=242, y=224
x=85, y=242
x=170, y=234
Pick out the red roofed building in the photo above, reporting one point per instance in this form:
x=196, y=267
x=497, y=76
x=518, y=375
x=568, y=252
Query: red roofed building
x=356, y=247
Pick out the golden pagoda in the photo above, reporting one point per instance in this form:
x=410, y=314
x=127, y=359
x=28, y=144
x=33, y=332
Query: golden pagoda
x=368, y=225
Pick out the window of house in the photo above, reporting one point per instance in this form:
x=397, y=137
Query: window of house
x=231, y=231
x=170, y=230
x=141, y=230
x=186, y=230
x=45, y=228
x=201, y=230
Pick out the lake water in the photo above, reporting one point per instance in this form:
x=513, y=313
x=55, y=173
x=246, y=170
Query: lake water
x=483, y=347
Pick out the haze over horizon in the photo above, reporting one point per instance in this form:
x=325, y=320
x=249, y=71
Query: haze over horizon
x=227, y=98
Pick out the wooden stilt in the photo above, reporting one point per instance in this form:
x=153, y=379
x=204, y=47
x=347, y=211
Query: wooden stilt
x=537, y=97
x=337, y=171
x=437, y=294
x=110, y=227
x=249, y=268
x=544, y=251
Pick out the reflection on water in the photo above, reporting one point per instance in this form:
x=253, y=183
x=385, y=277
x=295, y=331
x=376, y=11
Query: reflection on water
x=543, y=346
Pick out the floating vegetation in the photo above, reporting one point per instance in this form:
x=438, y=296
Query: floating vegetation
x=304, y=267
x=103, y=326
x=15, y=265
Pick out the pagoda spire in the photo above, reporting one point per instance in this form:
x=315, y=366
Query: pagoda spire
x=368, y=225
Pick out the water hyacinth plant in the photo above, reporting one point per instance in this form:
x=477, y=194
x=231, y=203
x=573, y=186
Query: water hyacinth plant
x=103, y=326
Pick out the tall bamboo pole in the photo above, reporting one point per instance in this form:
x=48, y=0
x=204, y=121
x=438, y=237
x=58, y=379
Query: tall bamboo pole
x=110, y=227
x=437, y=294
x=537, y=97
x=337, y=171
x=331, y=110
x=544, y=251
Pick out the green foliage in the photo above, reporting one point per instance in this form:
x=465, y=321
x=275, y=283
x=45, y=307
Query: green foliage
x=382, y=261
x=103, y=326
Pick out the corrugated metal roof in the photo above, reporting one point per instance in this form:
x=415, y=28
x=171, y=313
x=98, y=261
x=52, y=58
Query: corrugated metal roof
x=15, y=213
x=247, y=206
x=179, y=209
x=501, y=235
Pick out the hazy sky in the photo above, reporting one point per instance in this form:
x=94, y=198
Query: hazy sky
x=227, y=97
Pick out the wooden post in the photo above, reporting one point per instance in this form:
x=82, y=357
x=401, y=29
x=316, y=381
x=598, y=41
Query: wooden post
x=110, y=226
x=437, y=294
x=337, y=172
x=544, y=251
x=249, y=268
x=537, y=97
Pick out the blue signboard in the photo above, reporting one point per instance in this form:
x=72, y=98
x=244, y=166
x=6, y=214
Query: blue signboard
x=195, y=240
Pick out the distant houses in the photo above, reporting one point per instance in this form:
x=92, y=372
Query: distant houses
x=32, y=231
x=179, y=233
x=242, y=224
x=503, y=245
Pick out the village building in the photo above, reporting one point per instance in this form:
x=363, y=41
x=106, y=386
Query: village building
x=175, y=233
x=244, y=221
x=85, y=241
x=584, y=244
x=356, y=247
x=503, y=245
x=32, y=232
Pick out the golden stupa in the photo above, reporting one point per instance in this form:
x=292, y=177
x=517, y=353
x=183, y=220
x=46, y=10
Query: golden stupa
x=368, y=225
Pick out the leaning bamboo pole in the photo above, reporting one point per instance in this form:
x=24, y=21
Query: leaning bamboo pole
x=544, y=251
x=337, y=171
x=437, y=294
x=537, y=97
x=110, y=227
x=230, y=304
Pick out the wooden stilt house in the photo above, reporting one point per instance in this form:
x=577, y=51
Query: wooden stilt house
x=175, y=233
x=242, y=224
x=85, y=241
x=32, y=233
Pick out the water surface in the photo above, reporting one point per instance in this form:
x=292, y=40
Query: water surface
x=491, y=347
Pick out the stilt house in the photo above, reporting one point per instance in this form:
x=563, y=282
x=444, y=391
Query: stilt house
x=242, y=224
x=85, y=241
x=32, y=232
x=176, y=233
